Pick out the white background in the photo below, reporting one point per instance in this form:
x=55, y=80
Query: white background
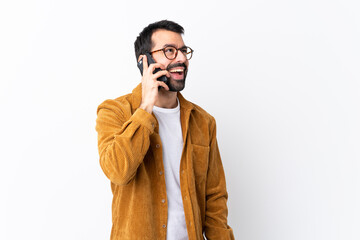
x=282, y=79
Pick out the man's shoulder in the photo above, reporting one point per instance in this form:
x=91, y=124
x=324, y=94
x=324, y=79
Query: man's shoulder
x=201, y=124
x=201, y=111
x=120, y=104
x=127, y=102
x=195, y=109
x=201, y=116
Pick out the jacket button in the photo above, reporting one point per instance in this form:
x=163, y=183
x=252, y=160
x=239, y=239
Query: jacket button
x=164, y=226
x=157, y=145
x=163, y=200
x=160, y=172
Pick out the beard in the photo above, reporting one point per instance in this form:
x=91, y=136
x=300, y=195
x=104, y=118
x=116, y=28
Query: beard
x=178, y=84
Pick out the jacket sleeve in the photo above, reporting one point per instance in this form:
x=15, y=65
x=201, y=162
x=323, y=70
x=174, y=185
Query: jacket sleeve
x=216, y=226
x=123, y=140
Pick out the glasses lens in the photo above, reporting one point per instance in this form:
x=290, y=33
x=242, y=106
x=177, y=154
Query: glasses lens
x=187, y=52
x=170, y=52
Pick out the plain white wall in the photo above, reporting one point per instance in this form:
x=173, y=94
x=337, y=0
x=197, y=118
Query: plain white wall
x=280, y=77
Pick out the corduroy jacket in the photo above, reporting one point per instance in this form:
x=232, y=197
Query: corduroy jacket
x=130, y=152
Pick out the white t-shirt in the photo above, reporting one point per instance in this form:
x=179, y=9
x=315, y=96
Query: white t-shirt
x=172, y=142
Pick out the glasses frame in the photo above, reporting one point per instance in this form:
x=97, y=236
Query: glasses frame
x=176, y=53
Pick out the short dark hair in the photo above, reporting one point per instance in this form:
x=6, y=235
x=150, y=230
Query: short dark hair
x=143, y=42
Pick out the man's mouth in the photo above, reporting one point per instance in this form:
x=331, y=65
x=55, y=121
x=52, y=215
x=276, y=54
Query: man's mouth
x=177, y=73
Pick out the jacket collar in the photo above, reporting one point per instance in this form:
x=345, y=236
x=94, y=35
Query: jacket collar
x=137, y=94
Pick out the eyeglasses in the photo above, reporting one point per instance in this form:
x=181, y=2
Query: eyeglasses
x=171, y=52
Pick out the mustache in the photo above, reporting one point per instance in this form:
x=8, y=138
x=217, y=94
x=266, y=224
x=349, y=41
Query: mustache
x=176, y=65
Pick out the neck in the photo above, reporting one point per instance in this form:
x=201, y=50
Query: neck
x=166, y=99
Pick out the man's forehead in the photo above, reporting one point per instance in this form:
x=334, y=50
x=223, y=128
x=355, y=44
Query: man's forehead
x=161, y=38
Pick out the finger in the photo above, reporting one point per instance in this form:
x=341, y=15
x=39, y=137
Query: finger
x=163, y=84
x=161, y=73
x=145, y=63
x=155, y=65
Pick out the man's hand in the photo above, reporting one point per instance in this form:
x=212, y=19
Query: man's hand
x=150, y=85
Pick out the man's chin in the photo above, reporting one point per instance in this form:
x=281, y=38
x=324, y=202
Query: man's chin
x=176, y=85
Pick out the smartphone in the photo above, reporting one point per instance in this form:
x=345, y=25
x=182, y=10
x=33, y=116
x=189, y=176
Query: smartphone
x=150, y=60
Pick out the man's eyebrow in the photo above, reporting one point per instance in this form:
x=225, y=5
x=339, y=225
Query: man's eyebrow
x=172, y=45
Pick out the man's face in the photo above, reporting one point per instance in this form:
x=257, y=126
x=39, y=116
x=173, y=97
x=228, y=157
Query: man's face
x=177, y=67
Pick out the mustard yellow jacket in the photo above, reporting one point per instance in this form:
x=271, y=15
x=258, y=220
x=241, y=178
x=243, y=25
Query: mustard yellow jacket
x=131, y=157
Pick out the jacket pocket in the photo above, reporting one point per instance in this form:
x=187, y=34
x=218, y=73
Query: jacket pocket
x=200, y=160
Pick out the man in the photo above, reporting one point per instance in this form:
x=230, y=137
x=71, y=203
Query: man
x=160, y=151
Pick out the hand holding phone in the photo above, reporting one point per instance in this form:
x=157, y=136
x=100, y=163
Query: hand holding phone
x=151, y=87
x=150, y=60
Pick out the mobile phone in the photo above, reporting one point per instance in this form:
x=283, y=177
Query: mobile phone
x=150, y=60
